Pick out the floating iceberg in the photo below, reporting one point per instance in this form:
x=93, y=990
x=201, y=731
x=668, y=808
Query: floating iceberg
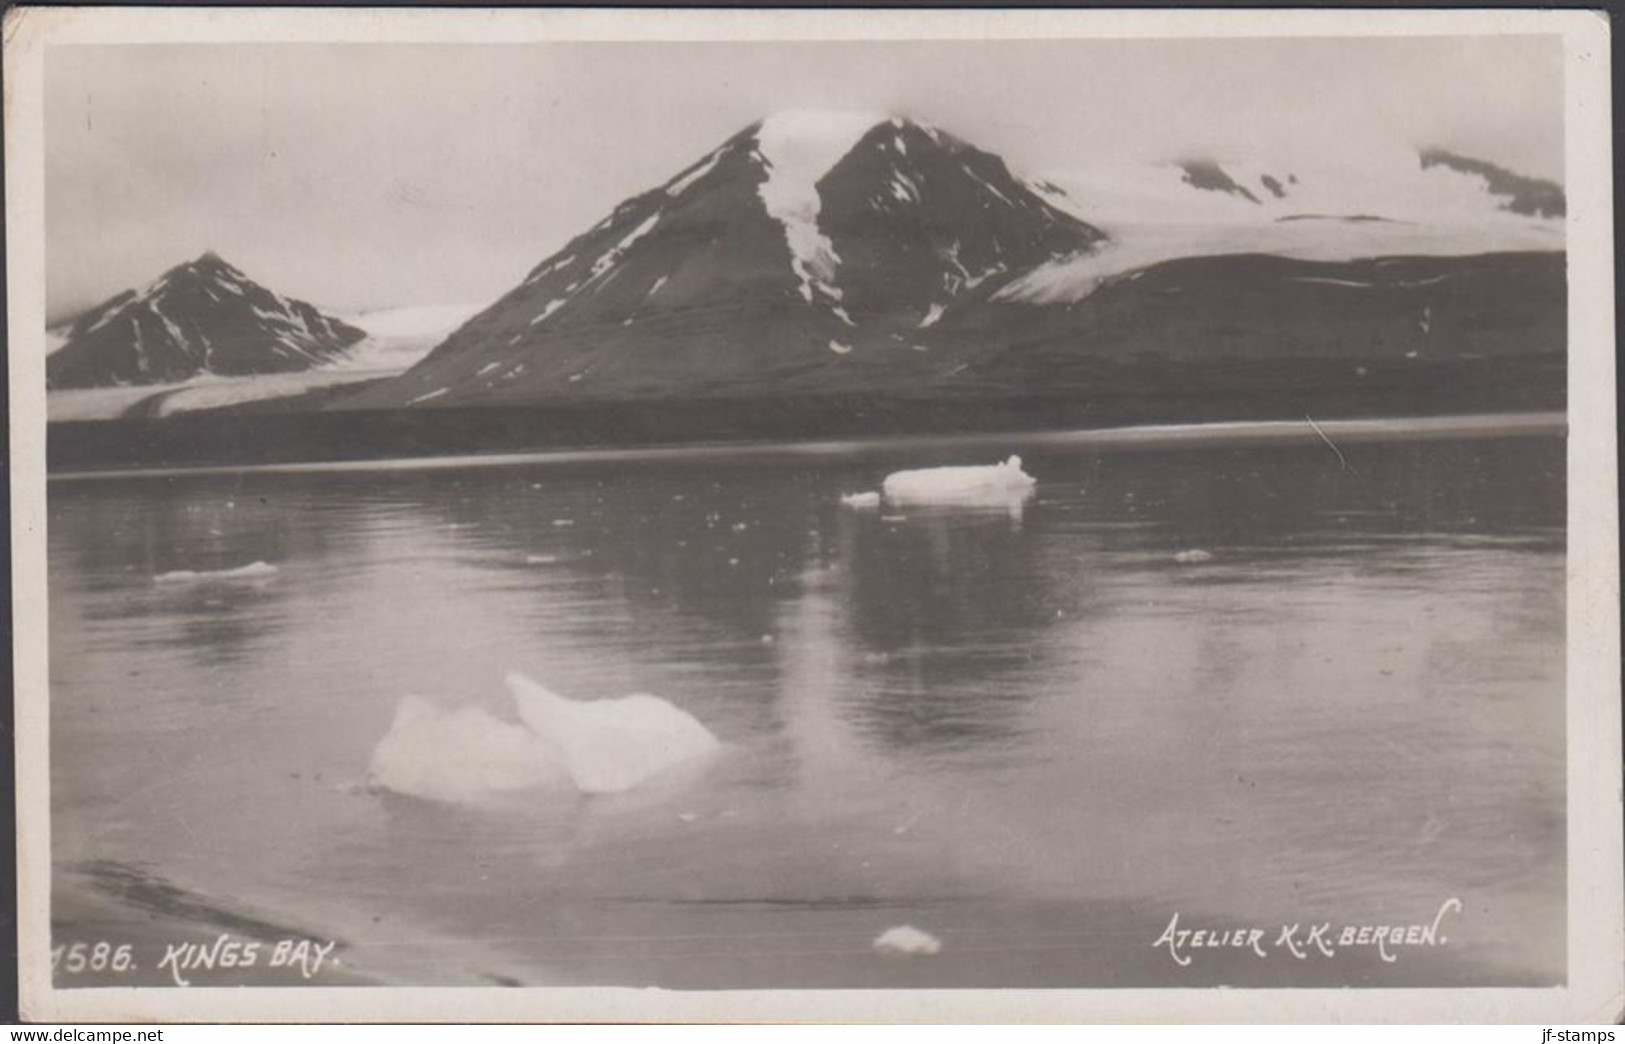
x=1193, y=557
x=252, y=571
x=908, y=940
x=461, y=755
x=610, y=746
x=861, y=501
x=996, y=485
x=590, y=747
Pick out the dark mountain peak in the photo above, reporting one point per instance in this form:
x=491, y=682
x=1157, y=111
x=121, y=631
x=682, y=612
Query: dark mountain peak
x=207, y=266
x=1531, y=197
x=1208, y=175
x=201, y=316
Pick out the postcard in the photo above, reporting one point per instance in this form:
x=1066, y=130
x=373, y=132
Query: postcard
x=689, y=515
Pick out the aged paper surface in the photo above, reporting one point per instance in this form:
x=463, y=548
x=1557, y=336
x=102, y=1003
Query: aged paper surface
x=1091, y=509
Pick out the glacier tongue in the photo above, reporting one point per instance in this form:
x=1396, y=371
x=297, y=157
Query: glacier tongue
x=800, y=147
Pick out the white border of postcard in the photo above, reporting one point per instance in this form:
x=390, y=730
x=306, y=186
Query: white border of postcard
x=1596, y=986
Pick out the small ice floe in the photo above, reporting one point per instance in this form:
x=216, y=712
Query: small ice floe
x=591, y=747
x=1193, y=556
x=561, y=522
x=252, y=571
x=861, y=501
x=541, y=559
x=994, y=484
x=840, y=349
x=909, y=940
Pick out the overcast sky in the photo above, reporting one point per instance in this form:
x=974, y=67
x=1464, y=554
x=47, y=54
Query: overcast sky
x=362, y=176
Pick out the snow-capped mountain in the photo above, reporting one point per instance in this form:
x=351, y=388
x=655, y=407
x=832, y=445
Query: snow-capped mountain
x=806, y=250
x=846, y=253
x=1400, y=185
x=1398, y=203
x=202, y=317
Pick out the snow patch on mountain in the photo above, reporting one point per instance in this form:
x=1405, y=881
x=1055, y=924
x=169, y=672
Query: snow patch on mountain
x=798, y=148
x=613, y=255
x=1395, y=184
x=680, y=184
x=1135, y=247
x=1382, y=204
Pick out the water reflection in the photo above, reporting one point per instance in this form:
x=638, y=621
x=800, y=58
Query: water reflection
x=1350, y=703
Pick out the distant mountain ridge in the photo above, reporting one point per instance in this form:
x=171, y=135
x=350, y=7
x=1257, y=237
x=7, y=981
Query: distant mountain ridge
x=1533, y=197
x=1431, y=186
x=201, y=317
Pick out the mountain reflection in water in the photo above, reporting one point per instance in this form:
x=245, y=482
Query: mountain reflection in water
x=1030, y=730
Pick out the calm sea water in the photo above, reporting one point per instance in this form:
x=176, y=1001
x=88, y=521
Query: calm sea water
x=1029, y=731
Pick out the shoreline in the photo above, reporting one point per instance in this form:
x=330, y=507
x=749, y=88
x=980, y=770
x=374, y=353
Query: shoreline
x=1127, y=438
x=156, y=934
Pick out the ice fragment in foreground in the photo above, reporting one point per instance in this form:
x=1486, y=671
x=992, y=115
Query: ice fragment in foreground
x=610, y=746
x=1193, y=556
x=861, y=501
x=909, y=940
x=587, y=746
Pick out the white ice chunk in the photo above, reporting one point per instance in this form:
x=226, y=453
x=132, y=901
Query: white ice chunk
x=932, y=314
x=994, y=484
x=840, y=349
x=1333, y=282
x=861, y=501
x=252, y=571
x=611, y=746
x=1193, y=556
x=909, y=940
x=461, y=755
x=592, y=747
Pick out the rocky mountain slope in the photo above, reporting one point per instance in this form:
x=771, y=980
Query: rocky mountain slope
x=806, y=251
x=833, y=253
x=202, y=317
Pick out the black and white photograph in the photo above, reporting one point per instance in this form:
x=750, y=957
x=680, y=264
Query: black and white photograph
x=749, y=510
